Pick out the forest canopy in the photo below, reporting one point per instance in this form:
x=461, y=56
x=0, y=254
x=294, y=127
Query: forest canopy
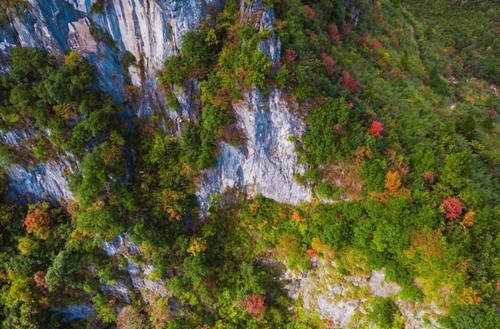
x=400, y=149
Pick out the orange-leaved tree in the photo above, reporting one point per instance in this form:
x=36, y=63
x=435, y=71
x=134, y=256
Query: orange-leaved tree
x=37, y=221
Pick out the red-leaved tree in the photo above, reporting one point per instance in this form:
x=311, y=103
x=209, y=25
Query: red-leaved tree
x=349, y=82
x=40, y=283
x=311, y=252
x=328, y=62
x=453, y=207
x=309, y=12
x=255, y=305
x=429, y=177
x=334, y=33
x=339, y=130
x=376, y=129
x=290, y=55
x=376, y=44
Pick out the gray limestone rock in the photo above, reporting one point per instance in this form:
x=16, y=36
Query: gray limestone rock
x=266, y=163
x=46, y=181
x=123, y=247
x=151, y=30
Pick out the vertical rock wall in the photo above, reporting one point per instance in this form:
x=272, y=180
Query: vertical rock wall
x=266, y=162
x=152, y=30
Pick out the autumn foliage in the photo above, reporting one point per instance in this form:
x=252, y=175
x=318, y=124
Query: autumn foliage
x=339, y=130
x=128, y=318
x=334, y=33
x=376, y=44
x=453, y=207
x=309, y=12
x=37, y=221
x=392, y=182
x=468, y=220
x=311, y=252
x=170, y=201
x=290, y=55
x=40, y=283
x=349, y=82
x=429, y=177
x=255, y=305
x=376, y=129
x=328, y=63
x=296, y=217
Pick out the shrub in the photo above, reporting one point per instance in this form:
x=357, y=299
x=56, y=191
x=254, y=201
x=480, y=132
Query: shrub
x=321, y=141
x=101, y=35
x=129, y=318
x=128, y=59
x=376, y=44
x=58, y=97
x=328, y=62
x=309, y=12
x=376, y=129
x=468, y=220
x=56, y=272
x=104, y=308
x=40, y=283
x=290, y=55
x=453, y=207
x=255, y=305
x=348, y=81
x=98, y=6
x=8, y=156
x=334, y=33
x=472, y=316
x=37, y=221
x=15, y=7
x=429, y=177
x=392, y=182
x=383, y=312
x=373, y=174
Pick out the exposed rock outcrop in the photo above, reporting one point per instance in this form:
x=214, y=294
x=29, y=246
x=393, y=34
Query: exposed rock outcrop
x=44, y=181
x=266, y=163
x=47, y=181
x=151, y=30
x=122, y=246
x=340, y=299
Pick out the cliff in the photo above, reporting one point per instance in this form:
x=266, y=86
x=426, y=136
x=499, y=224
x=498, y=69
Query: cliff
x=151, y=31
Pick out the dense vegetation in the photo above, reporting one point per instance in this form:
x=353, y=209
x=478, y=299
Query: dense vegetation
x=401, y=127
x=11, y=7
x=225, y=60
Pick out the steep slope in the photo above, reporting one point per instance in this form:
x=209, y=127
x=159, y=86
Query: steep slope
x=247, y=164
x=150, y=31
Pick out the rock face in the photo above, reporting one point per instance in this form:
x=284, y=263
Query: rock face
x=152, y=30
x=45, y=181
x=122, y=246
x=267, y=161
x=265, y=164
x=341, y=299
